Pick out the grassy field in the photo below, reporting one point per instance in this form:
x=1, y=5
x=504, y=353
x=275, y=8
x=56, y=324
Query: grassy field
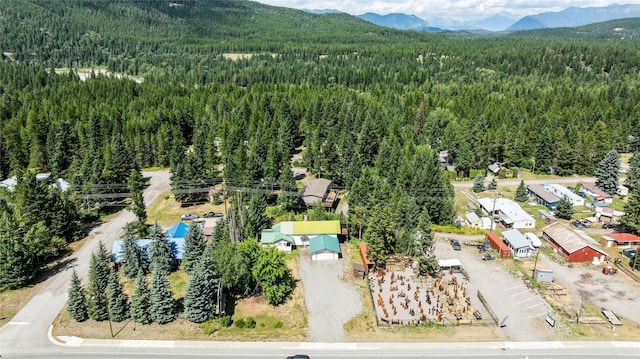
x=167, y=211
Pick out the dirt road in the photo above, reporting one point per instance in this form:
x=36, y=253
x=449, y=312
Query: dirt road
x=516, y=182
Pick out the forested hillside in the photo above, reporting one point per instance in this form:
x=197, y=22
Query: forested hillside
x=372, y=106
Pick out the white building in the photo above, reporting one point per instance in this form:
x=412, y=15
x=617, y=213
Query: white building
x=508, y=212
x=519, y=245
x=562, y=191
x=533, y=239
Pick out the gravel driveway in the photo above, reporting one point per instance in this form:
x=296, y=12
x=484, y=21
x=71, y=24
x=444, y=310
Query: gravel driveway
x=331, y=302
x=617, y=293
x=506, y=295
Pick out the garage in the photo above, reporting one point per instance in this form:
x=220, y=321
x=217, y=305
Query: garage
x=324, y=247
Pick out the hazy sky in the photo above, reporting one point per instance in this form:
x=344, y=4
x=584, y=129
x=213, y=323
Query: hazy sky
x=457, y=9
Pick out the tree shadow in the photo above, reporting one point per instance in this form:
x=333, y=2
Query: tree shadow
x=60, y=266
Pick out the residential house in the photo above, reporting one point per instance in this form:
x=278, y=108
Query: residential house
x=324, y=247
x=519, y=245
x=494, y=168
x=607, y=215
x=282, y=242
x=572, y=245
x=620, y=240
x=508, y=212
x=597, y=196
x=303, y=231
x=543, y=197
x=209, y=225
x=562, y=191
x=533, y=240
x=319, y=190
x=622, y=191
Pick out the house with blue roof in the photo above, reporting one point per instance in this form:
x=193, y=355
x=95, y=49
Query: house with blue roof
x=175, y=235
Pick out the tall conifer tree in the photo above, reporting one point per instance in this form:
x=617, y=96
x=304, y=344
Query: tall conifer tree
x=118, y=301
x=77, y=301
x=141, y=301
x=163, y=307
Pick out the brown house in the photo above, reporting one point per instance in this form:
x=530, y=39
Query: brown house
x=319, y=190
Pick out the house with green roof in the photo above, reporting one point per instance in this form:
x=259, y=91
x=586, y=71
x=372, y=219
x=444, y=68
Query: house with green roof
x=282, y=242
x=302, y=231
x=324, y=247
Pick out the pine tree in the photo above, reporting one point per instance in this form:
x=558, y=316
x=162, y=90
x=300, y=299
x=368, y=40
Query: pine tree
x=160, y=255
x=162, y=309
x=478, y=184
x=118, y=301
x=633, y=176
x=521, y=193
x=379, y=235
x=255, y=217
x=493, y=185
x=96, y=297
x=102, y=265
x=194, y=246
x=141, y=301
x=631, y=218
x=423, y=236
x=288, y=198
x=201, y=290
x=131, y=256
x=564, y=208
x=607, y=172
x=135, y=183
x=77, y=302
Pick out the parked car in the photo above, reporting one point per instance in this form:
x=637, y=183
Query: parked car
x=455, y=244
x=586, y=223
x=298, y=356
x=212, y=214
x=629, y=253
x=608, y=226
x=488, y=257
x=484, y=246
x=188, y=216
x=577, y=223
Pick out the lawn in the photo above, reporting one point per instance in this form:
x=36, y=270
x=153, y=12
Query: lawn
x=167, y=211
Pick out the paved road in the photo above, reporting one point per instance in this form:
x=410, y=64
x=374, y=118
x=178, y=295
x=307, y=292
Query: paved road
x=162, y=349
x=28, y=328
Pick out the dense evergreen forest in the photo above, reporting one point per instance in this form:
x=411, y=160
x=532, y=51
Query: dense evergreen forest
x=372, y=107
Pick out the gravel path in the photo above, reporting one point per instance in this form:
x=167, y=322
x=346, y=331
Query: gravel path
x=331, y=302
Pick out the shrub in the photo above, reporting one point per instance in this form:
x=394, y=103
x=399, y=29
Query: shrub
x=225, y=321
x=250, y=323
x=210, y=327
x=239, y=323
x=277, y=324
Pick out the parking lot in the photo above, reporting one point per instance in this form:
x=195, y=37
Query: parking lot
x=521, y=310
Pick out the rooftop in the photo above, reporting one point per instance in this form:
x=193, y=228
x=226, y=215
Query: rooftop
x=516, y=238
x=539, y=191
x=510, y=208
x=622, y=237
x=569, y=239
x=317, y=188
x=324, y=242
x=308, y=227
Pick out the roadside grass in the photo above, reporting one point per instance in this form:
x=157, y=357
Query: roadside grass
x=11, y=301
x=287, y=322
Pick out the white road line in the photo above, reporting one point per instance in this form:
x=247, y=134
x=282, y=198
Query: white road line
x=18, y=323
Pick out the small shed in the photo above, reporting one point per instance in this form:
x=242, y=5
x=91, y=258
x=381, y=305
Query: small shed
x=533, y=240
x=543, y=275
x=324, y=247
x=448, y=264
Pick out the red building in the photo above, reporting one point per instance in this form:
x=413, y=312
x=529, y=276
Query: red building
x=620, y=239
x=497, y=244
x=572, y=245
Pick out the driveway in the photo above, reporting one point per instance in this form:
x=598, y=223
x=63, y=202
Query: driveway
x=28, y=328
x=330, y=300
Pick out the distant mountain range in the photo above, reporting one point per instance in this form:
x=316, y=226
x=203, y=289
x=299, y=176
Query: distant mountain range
x=570, y=17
